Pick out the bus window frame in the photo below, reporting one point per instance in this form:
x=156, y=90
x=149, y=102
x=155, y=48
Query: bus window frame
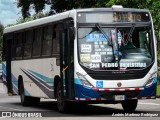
x=43, y=39
x=39, y=55
x=28, y=43
x=22, y=33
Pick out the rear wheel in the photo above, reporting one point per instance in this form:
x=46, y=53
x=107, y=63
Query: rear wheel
x=129, y=105
x=25, y=100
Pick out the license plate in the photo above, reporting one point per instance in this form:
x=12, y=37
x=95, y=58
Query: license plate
x=119, y=97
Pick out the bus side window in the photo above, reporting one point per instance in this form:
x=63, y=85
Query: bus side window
x=28, y=44
x=37, y=43
x=14, y=47
x=47, y=41
x=56, y=48
x=19, y=44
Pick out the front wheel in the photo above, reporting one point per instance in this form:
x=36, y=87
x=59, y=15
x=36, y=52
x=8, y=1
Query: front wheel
x=129, y=105
x=61, y=103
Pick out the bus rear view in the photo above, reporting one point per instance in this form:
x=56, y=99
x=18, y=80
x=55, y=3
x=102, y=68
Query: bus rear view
x=116, y=54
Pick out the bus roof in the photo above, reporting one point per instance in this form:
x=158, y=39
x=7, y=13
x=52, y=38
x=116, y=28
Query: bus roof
x=112, y=9
x=38, y=22
x=64, y=15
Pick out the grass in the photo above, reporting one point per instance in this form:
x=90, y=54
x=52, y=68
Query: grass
x=158, y=57
x=158, y=90
x=158, y=85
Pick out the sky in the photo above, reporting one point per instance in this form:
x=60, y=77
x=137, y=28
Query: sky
x=9, y=12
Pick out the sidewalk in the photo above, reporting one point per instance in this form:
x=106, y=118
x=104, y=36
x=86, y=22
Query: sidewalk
x=1, y=88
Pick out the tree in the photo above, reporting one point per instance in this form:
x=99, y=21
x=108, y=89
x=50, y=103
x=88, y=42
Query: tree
x=24, y=4
x=29, y=18
x=38, y=5
x=1, y=35
x=1, y=40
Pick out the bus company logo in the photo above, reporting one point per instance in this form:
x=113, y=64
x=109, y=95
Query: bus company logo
x=6, y=114
x=119, y=84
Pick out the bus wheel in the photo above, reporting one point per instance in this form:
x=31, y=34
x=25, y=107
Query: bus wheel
x=25, y=100
x=61, y=103
x=129, y=105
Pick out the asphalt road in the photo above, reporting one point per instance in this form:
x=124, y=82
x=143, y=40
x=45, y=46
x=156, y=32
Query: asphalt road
x=99, y=111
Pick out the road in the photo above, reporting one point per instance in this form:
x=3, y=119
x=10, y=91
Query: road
x=48, y=108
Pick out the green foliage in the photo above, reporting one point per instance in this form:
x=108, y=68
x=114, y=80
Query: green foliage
x=1, y=36
x=60, y=5
x=85, y=3
x=38, y=5
x=159, y=76
x=1, y=40
x=24, y=4
x=21, y=20
x=158, y=90
x=39, y=15
x=30, y=18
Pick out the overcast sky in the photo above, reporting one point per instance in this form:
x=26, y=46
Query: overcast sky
x=9, y=12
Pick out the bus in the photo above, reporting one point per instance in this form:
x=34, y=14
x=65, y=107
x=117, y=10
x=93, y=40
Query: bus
x=92, y=55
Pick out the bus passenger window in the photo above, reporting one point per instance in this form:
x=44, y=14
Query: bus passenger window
x=37, y=43
x=28, y=44
x=47, y=41
x=56, y=48
x=19, y=45
x=13, y=47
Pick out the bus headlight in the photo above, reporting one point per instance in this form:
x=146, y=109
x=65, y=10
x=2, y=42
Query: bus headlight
x=151, y=79
x=84, y=81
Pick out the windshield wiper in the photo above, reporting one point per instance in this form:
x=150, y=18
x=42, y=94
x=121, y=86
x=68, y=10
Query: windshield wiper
x=130, y=33
x=105, y=35
x=87, y=34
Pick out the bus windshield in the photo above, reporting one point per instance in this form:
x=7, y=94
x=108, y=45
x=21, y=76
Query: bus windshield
x=115, y=48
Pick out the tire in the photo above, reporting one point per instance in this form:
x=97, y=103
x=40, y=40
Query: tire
x=25, y=100
x=62, y=105
x=129, y=105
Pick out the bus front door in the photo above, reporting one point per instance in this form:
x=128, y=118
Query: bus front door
x=66, y=61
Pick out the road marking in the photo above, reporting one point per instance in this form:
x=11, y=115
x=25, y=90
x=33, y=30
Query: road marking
x=10, y=108
x=149, y=103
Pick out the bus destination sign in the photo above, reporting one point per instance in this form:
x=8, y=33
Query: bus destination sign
x=127, y=17
x=109, y=17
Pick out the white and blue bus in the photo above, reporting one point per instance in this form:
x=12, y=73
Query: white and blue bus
x=96, y=55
